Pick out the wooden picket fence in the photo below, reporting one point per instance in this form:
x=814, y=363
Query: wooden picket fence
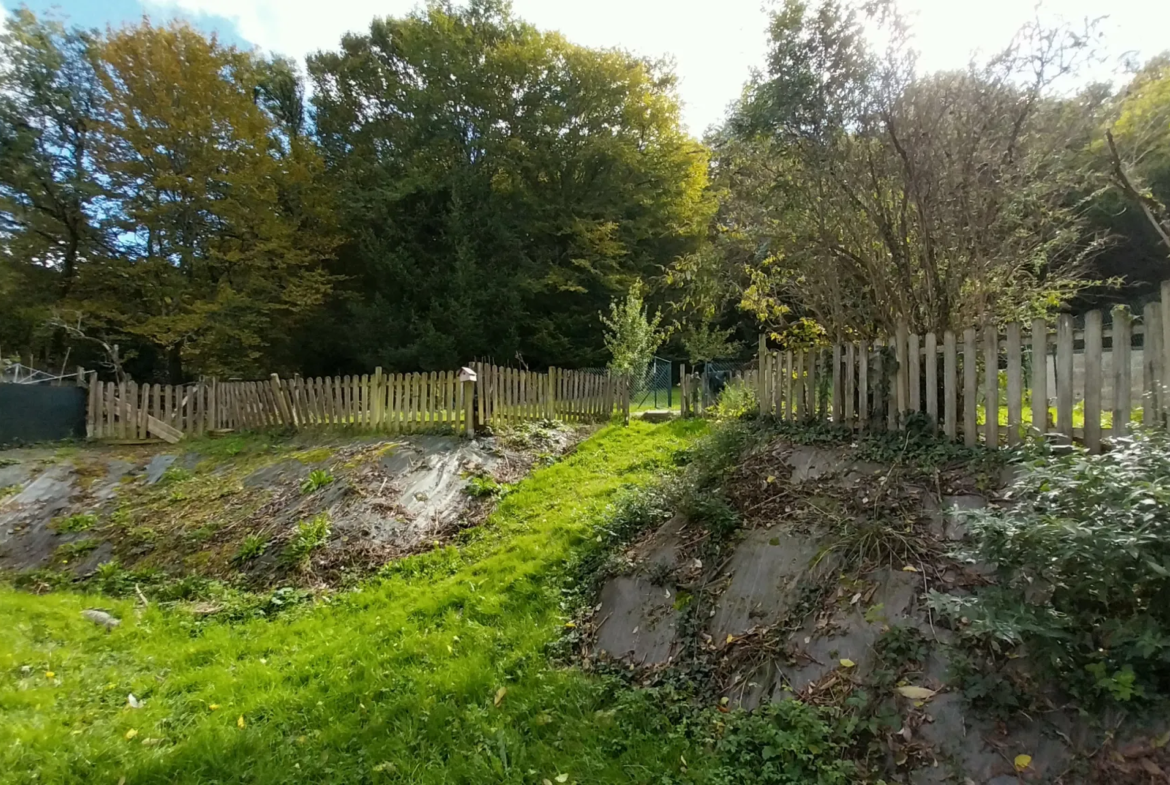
x=987, y=386
x=395, y=403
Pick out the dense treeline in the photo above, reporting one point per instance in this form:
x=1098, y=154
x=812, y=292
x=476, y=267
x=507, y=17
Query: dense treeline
x=456, y=184
x=462, y=185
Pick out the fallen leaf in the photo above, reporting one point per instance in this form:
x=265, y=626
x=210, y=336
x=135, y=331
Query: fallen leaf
x=909, y=568
x=562, y=778
x=570, y=625
x=213, y=706
x=131, y=734
x=49, y=674
x=855, y=598
x=771, y=478
x=1152, y=768
x=1022, y=762
x=916, y=693
x=1161, y=741
x=240, y=722
x=133, y=702
x=730, y=638
x=500, y=693
x=847, y=663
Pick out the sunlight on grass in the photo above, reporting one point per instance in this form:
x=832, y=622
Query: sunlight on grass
x=396, y=682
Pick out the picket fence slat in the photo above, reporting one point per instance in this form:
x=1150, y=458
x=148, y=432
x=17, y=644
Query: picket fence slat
x=1122, y=384
x=1064, y=375
x=991, y=385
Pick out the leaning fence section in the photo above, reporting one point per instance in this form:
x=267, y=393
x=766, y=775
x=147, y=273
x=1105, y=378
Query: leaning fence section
x=987, y=385
x=394, y=403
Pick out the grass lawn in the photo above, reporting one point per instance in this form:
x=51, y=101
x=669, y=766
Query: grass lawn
x=645, y=401
x=436, y=673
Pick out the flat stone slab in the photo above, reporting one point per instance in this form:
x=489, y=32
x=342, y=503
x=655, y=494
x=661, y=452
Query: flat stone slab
x=639, y=623
x=766, y=573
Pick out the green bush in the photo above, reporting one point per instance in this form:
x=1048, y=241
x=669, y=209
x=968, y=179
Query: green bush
x=737, y=400
x=1083, y=560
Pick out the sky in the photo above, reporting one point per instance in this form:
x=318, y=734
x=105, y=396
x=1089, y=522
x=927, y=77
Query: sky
x=715, y=43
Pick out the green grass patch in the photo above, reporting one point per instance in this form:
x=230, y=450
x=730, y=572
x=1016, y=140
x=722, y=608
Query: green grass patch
x=437, y=672
x=74, y=523
x=318, y=455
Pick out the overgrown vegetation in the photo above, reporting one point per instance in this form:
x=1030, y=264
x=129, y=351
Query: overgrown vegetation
x=1083, y=563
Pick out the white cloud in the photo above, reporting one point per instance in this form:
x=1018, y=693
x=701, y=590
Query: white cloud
x=714, y=42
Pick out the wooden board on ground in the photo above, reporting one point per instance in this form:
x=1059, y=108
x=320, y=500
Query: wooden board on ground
x=163, y=431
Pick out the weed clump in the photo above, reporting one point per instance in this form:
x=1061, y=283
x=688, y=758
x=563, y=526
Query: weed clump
x=317, y=479
x=310, y=535
x=74, y=523
x=252, y=547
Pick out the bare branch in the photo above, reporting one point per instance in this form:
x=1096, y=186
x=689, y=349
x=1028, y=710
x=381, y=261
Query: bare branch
x=1147, y=202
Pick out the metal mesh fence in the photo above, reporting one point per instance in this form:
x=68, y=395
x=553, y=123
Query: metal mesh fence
x=653, y=387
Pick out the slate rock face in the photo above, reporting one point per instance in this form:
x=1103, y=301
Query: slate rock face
x=762, y=588
x=639, y=623
x=764, y=579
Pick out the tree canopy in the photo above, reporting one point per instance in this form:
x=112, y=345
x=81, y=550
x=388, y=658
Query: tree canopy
x=456, y=184
x=498, y=185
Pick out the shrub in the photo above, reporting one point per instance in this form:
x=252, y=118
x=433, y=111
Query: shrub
x=737, y=400
x=317, y=479
x=1083, y=561
x=310, y=536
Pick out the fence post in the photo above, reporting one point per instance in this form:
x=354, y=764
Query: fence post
x=1093, y=381
x=902, y=336
x=1151, y=365
x=469, y=408
x=1122, y=384
x=761, y=386
x=991, y=385
x=1165, y=381
x=970, y=389
x=837, y=394
x=625, y=390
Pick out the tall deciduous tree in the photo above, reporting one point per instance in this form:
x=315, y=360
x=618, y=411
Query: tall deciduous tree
x=874, y=195
x=48, y=190
x=215, y=202
x=499, y=184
